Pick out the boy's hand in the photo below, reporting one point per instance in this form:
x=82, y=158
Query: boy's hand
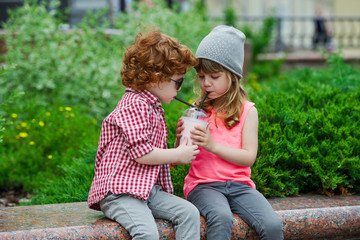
x=187, y=153
x=179, y=129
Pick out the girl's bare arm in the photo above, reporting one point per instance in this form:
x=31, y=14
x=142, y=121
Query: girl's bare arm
x=242, y=157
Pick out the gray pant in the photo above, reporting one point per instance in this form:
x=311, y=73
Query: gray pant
x=219, y=200
x=137, y=216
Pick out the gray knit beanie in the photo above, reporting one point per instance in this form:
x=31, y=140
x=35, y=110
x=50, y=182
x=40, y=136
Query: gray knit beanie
x=224, y=45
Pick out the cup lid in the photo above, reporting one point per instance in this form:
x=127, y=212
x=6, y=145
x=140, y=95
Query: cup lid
x=194, y=113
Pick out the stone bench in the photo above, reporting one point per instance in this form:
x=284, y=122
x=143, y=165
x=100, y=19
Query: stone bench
x=303, y=217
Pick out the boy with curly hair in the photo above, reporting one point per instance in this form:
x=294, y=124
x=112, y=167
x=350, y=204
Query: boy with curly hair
x=132, y=183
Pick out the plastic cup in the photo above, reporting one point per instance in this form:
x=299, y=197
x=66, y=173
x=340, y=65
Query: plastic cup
x=192, y=117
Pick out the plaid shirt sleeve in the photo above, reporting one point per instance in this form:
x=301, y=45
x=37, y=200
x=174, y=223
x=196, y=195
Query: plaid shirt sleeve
x=135, y=122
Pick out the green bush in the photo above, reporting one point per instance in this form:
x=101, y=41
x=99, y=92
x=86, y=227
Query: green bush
x=309, y=132
x=261, y=38
x=2, y=102
x=189, y=27
x=56, y=69
x=39, y=138
x=78, y=67
x=230, y=15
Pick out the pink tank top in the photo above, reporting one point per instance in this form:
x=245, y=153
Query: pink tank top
x=207, y=167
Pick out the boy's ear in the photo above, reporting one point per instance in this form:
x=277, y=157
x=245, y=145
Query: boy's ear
x=155, y=79
x=150, y=85
x=157, y=76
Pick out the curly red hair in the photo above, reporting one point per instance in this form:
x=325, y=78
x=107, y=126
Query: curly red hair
x=154, y=58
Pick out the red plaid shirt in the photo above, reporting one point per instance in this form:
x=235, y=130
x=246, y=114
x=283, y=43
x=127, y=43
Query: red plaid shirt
x=132, y=130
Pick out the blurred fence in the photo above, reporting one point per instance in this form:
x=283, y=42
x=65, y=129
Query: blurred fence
x=297, y=33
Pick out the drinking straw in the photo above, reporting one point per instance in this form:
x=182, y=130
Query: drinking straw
x=189, y=104
x=202, y=101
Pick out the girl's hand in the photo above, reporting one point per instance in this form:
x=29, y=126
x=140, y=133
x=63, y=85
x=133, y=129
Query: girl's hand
x=201, y=137
x=179, y=129
x=186, y=153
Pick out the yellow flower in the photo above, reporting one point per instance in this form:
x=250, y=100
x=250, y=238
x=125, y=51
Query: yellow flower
x=61, y=109
x=23, y=124
x=68, y=109
x=31, y=142
x=23, y=134
x=41, y=123
x=47, y=114
x=33, y=120
x=72, y=115
x=49, y=156
x=14, y=115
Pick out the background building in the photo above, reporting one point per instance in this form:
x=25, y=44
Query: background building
x=295, y=19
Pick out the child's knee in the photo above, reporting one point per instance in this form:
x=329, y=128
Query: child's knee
x=191, y=211
x=273, y=228
x=219, y=224
x=224, y=217
x=149, y=233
